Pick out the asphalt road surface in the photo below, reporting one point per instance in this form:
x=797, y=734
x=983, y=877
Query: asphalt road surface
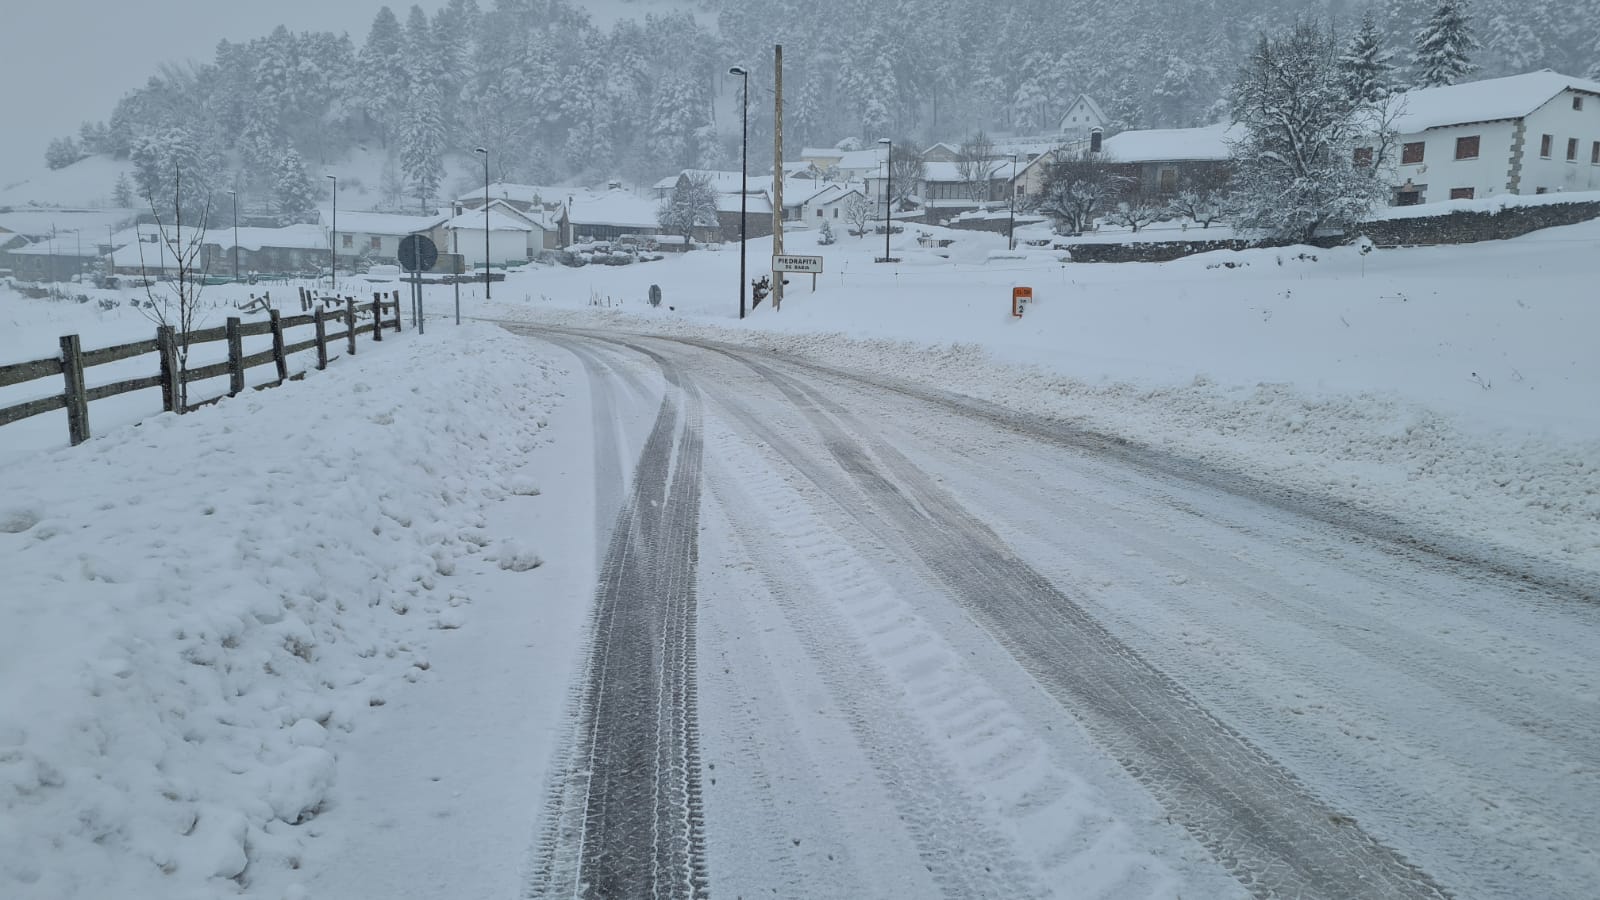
x=853, y=638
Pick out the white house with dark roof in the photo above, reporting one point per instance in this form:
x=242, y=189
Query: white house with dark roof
x=511, y=236
x=1163, y=159
x=377, y=235
x=1534, y=133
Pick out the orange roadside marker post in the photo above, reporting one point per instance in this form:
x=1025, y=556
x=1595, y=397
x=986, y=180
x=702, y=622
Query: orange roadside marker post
x=1020, y=297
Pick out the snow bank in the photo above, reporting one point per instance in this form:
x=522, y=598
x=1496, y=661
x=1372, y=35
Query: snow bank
x=198, y=607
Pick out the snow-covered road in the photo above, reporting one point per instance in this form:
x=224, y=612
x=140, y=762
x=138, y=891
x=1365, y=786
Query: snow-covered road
x=856, y=639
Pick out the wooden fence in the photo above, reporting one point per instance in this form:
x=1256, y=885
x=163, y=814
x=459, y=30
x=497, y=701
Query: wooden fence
x=74, y=361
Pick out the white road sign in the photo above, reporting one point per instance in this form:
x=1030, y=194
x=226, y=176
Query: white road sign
x=807, y=264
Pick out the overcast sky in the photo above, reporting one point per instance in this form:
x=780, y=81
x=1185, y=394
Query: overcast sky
x=68, y=61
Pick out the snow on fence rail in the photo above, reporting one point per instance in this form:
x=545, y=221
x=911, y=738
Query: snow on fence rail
x=73, y=360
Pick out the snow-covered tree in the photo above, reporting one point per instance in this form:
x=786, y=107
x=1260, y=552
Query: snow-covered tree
x=693, y=204
x=858, y=212
x=383, y=82
x=293, y=194
x=907, y=171
x=122, y=192
x=1295, y=169
x=422, y=133
x=1366, y=65
x=825, y=234
x=975, y=160
x=1077, y=188
x=1443, y=46
x=63, y=152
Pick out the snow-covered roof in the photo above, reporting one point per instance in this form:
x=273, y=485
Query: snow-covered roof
x=821, y=153
x=290, y=237
x=521, y=193
x=721, y=182
x=365, y=222
x=499, y=220
x=157, y=253
x=65, y=244
x=949, y=171
x=1492, y=99
x=1089, y=106
x=618, y=209
x=863, y=160
x=1164, y=144
x=754, y=204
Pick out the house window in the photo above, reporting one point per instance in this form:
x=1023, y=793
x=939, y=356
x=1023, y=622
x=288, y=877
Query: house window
x=1467, y=147
x=1545, y=143
x=836, y=212
x=349, y=240
x=1577, y=103
x=1462, y=193
x=377, y=244
x=1540, y=190
x=1594, y=154
x=1410, y=154
x=1572, y=149
x=1169, y=180
x=1363, y=156
x=819, y=213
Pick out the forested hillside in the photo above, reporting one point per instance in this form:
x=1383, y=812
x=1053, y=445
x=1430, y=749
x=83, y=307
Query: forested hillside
x=557, y=96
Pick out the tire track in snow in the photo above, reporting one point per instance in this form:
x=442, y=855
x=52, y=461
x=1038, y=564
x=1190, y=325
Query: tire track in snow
x=1256, y=818
x=624, y=820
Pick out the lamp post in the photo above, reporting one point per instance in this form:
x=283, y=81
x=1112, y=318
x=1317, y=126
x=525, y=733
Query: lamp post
x=486, y=269
x=888, y=192
x=744, y=175
x=234, y=195
x=333, y=235
x=1011, y=229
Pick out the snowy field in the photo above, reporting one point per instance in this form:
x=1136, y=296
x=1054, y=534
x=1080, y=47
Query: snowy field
x=313, y=640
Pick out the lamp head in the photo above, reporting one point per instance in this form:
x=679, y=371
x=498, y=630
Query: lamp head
x=480, y=150
x=739, y=70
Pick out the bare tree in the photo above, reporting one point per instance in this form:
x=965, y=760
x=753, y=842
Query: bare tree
x=975, y=163
x=858, y=212
x=178, y=306
x=907, y=171
x=1202, y=196
x=693, y=204
x=1136, y=209
x=1077, y=187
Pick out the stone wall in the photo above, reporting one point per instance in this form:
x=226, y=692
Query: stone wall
x=1458, y=227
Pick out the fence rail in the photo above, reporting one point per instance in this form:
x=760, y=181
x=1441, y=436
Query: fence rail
x=73, y=361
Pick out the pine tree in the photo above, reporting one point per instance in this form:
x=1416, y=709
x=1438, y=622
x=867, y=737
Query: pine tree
x=422, y=134
x=1443, y=44
x=293, y=195
x=1366, y=65
x=122, y=192
x=382, y=79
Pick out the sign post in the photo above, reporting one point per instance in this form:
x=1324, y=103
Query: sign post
x=417, y=255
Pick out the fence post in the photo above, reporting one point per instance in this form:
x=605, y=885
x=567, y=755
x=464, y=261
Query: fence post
x=77, y=400
x=167, y=347
x=377, y=316
x=278, y=356
x=322, y=339
x=350, y=322
x=235, y=357
x=304, y=303
x=397, y=312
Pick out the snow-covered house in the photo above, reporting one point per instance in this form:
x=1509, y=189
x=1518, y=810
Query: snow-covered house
x=944, y=188
x=508, y=236
x=1082, y=117
x=1162, y=160
x=830, y=204
x=521, y=197
x=1534, y=133
x=610, y=215
x=292, y=248
x=376, y=236
x=55, y=258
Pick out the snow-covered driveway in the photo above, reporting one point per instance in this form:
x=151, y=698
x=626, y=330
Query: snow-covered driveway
x=855, y=639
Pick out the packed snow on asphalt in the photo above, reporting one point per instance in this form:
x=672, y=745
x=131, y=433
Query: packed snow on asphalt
x=1251, y=573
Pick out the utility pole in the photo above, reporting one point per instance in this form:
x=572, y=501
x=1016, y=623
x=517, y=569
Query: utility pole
x=777, y=171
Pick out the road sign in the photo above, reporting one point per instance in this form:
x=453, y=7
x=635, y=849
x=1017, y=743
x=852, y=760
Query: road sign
x=418, y=253
x=809, y=264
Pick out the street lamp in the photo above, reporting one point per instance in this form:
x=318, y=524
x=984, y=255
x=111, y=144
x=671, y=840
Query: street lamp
x=486, y=269
x=888, y=192
x=744, y=175
x=1011, y=229
x=333, y=235
x=235, y=197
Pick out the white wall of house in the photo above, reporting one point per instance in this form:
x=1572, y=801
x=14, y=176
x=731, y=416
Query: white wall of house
x=504, y=246
x=1563, y=123
x=829, y=208
x=1439, y=172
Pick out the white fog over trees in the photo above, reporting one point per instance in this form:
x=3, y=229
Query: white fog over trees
x=560, y=97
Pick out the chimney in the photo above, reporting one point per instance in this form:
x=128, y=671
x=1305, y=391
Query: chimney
x=1095, y=135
